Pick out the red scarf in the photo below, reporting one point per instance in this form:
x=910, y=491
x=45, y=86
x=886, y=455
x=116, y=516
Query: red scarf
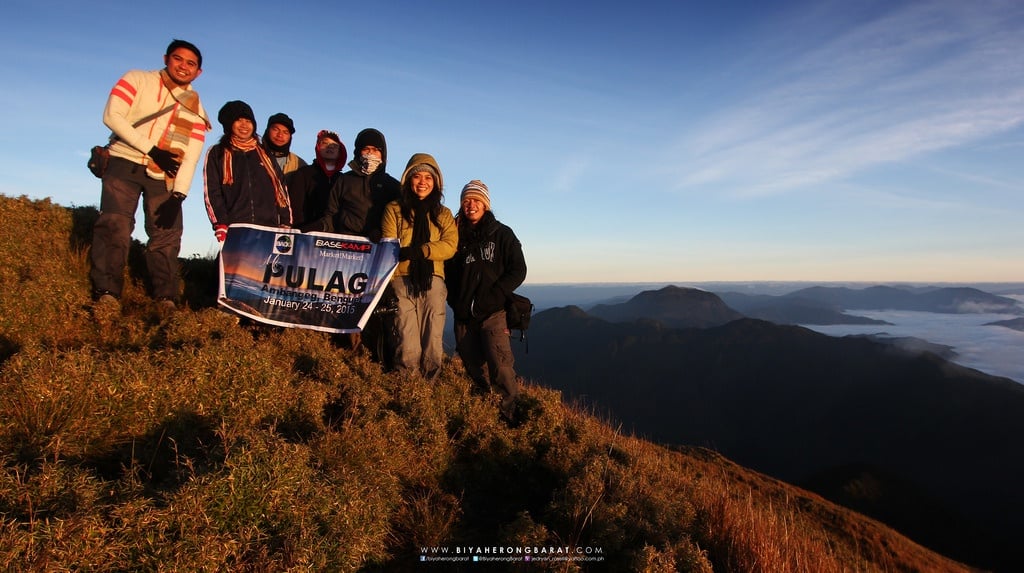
x=323, y=167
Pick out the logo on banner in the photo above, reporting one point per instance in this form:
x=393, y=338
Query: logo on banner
x=283, y=244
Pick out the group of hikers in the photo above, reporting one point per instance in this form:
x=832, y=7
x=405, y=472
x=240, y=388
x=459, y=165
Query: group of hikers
x=468, y=261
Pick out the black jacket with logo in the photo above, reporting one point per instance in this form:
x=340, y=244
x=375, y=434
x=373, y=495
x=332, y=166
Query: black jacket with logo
x=488, y=265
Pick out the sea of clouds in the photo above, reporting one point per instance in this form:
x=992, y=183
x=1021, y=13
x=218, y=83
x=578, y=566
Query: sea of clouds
x=995, y=350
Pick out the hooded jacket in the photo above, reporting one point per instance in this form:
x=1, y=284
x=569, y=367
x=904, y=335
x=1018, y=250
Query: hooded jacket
x=487, y=267
x=444, y=236
x=356, y=202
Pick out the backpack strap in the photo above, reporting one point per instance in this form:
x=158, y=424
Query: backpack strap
x=149, y=117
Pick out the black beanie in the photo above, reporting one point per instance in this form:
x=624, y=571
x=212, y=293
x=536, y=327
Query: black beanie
x=371, y=136
x=283, y=120
x=233, y=111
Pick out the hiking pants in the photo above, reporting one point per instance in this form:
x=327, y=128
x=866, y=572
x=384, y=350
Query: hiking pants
x=419, y=326
x=487, y=353
x=123, y=183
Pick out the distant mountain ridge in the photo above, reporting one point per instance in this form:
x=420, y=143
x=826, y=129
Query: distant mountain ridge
x=797, y=404
x=680, y=307
x=790, y=309
x=1014, y=323
x=947, y=300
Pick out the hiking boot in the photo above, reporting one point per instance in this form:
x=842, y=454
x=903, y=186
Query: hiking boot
x=165, y=307
x=107, y=301
x=106, y=308
x=508, y=409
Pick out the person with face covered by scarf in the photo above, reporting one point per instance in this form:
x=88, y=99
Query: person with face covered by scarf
x=277, y=141
x=355, y=206
x=427, y=238
x=357, y=200
x=242, y=183
x=310, y=187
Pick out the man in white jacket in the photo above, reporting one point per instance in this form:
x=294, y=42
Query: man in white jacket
x=159, y=127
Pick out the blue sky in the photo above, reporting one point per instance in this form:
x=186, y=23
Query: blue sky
x=631, y=142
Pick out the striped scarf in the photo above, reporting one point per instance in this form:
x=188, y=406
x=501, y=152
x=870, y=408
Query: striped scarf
x=280, y=194
x=179, y=131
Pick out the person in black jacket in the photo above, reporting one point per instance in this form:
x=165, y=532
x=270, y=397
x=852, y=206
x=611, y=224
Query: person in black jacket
x=277, y=141
x=488, y=265
x=355, y=206
x=242, y=184
x=357, y=199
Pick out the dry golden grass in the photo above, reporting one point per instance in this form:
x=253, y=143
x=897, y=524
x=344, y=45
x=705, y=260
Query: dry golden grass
x=196, y=444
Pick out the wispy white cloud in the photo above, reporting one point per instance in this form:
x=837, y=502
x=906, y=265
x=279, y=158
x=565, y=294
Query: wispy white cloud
x=927, y=77
x=566, y=178
x=981, y=179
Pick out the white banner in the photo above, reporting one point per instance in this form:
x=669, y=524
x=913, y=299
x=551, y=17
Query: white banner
x=320, y=281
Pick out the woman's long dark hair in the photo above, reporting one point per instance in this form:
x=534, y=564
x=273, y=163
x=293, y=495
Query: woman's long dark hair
x=432, y=202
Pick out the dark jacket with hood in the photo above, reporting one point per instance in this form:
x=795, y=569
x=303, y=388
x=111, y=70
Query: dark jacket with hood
x=487, y=267
x=356, y=203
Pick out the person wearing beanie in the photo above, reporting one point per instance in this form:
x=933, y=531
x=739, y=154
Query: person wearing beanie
x=243, y=184
x=487, y=267
x=357, y=200
x=277, y=141
x=310, y=187
x=427, y=237
x=158, y=130
x=355, y=206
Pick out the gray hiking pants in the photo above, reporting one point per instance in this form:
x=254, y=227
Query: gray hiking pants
x=419, y=326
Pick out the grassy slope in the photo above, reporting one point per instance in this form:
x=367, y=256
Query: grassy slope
x=194, y=443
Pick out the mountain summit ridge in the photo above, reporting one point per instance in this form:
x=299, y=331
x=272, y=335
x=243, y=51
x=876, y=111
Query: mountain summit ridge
x=190, y=442
x=796, y=404
x=674, y=306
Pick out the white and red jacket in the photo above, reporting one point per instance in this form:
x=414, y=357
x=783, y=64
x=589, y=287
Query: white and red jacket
x=141, y=93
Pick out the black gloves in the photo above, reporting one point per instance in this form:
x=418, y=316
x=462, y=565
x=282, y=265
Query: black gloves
x=410, y=253
x=165, y=160
x=168, y=213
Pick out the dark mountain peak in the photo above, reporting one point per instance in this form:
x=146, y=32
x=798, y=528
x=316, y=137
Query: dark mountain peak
x=1015, y=323
x=794, y=403
x=886, y=289
x=567, y=317
x=674, y=306
x=674, y=293
x=571, y=311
